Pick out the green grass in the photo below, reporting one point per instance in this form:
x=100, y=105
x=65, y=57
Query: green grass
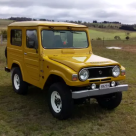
x=29, y=115
x=118, y=43
x=109, y=34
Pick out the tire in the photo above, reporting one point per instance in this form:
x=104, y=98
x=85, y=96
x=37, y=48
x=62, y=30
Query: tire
x=110, y=101
x=60, y=101
x=6, y=52
x=18, y=84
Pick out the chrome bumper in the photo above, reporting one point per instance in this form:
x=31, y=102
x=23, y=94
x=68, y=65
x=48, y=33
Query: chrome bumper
x=97, y=92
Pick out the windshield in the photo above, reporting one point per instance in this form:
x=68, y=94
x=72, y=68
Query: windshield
x=53, y=39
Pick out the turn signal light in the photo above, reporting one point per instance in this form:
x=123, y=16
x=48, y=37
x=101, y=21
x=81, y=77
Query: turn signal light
x=123, y=72
x=74, y=77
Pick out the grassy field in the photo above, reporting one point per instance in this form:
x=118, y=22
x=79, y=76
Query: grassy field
x=118, y=43
x=5, y=22
x=29, y=115
x=109, y=34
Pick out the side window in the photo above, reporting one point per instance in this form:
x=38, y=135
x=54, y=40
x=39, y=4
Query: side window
x=31, y=39
x=16, y=37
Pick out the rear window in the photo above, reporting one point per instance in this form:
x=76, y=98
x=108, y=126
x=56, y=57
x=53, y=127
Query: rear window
x=16, y=37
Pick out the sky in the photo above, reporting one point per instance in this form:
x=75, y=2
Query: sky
x=123, y=11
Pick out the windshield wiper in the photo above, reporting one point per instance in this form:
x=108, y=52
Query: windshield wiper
x=75, y=32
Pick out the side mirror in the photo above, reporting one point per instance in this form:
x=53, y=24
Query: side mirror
x=31, y=43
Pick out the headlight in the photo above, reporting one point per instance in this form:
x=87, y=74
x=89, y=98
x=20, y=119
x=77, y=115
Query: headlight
x=116, y=71
x=83, y=74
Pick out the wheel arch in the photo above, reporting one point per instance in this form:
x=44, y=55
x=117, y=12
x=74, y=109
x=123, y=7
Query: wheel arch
x=53, y=79
x=16, y=64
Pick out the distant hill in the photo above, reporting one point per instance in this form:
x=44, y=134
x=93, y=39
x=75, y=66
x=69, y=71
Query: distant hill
x=5, y=22
x=105, y=25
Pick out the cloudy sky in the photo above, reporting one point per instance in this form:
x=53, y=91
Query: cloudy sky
x=86, y=10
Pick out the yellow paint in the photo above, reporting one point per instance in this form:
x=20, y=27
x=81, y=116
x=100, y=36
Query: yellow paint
x=62, y=62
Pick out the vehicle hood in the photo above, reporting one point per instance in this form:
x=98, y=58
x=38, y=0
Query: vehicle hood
x=76, y=62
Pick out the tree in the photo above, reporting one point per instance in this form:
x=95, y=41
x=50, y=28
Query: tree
x=98, y=38
x=117, y=38
x=127, y=34
x=42, y=19
x=94, y=21
x=79, y=22
x=127, y=38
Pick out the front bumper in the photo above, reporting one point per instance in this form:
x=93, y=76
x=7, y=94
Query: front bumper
x=98, y=92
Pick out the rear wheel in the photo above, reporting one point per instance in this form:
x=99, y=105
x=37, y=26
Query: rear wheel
x=6, y=52
x=110, y=101
x=60, y=101
x=18, y=84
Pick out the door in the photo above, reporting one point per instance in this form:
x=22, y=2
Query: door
x=31, y=55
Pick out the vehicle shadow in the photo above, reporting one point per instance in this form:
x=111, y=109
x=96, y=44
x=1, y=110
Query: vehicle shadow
x=33, y=109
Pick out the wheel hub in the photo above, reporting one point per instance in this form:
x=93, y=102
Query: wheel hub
x=56, y=102
x=16, y=82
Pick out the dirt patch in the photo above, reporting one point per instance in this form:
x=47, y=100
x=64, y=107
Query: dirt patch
x=3, y=44
x=129, y=48
x=117, y=48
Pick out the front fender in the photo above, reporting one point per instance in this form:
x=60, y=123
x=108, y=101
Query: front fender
x=52, y=67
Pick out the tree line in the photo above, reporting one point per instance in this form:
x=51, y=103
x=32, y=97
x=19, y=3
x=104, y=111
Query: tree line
x=95, y=23
x=107, y=22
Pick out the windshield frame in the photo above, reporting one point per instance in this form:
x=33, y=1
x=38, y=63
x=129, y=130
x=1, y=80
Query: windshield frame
x=65, y=30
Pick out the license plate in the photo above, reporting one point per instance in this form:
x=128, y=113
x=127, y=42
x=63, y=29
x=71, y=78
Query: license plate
x=105, y=86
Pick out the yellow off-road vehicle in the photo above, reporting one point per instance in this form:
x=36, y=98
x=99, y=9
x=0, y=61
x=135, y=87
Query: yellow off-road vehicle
x=58, y=56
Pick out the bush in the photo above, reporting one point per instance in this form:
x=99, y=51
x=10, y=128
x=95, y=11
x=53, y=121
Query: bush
x=127, y=38
x=127, y=34
x=117, y=38
x=98, y=38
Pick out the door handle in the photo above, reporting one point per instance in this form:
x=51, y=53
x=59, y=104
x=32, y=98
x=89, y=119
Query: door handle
x=25, y=53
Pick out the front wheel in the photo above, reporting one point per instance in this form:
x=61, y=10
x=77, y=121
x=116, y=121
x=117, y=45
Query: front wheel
x=110, y=101
x=60, y=101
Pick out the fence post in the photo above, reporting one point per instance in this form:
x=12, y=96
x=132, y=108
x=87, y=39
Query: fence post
x=1, y=39
x=103, y=41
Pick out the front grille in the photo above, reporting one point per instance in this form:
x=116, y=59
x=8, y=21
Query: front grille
x=106, y=79
x=99, y=72
x=94, y=81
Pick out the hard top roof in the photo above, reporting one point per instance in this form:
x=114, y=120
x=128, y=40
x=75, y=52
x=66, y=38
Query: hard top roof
x=44, y=23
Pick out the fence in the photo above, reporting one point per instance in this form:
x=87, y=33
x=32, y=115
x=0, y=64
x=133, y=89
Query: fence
x=2, y=39
x=113, y=42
